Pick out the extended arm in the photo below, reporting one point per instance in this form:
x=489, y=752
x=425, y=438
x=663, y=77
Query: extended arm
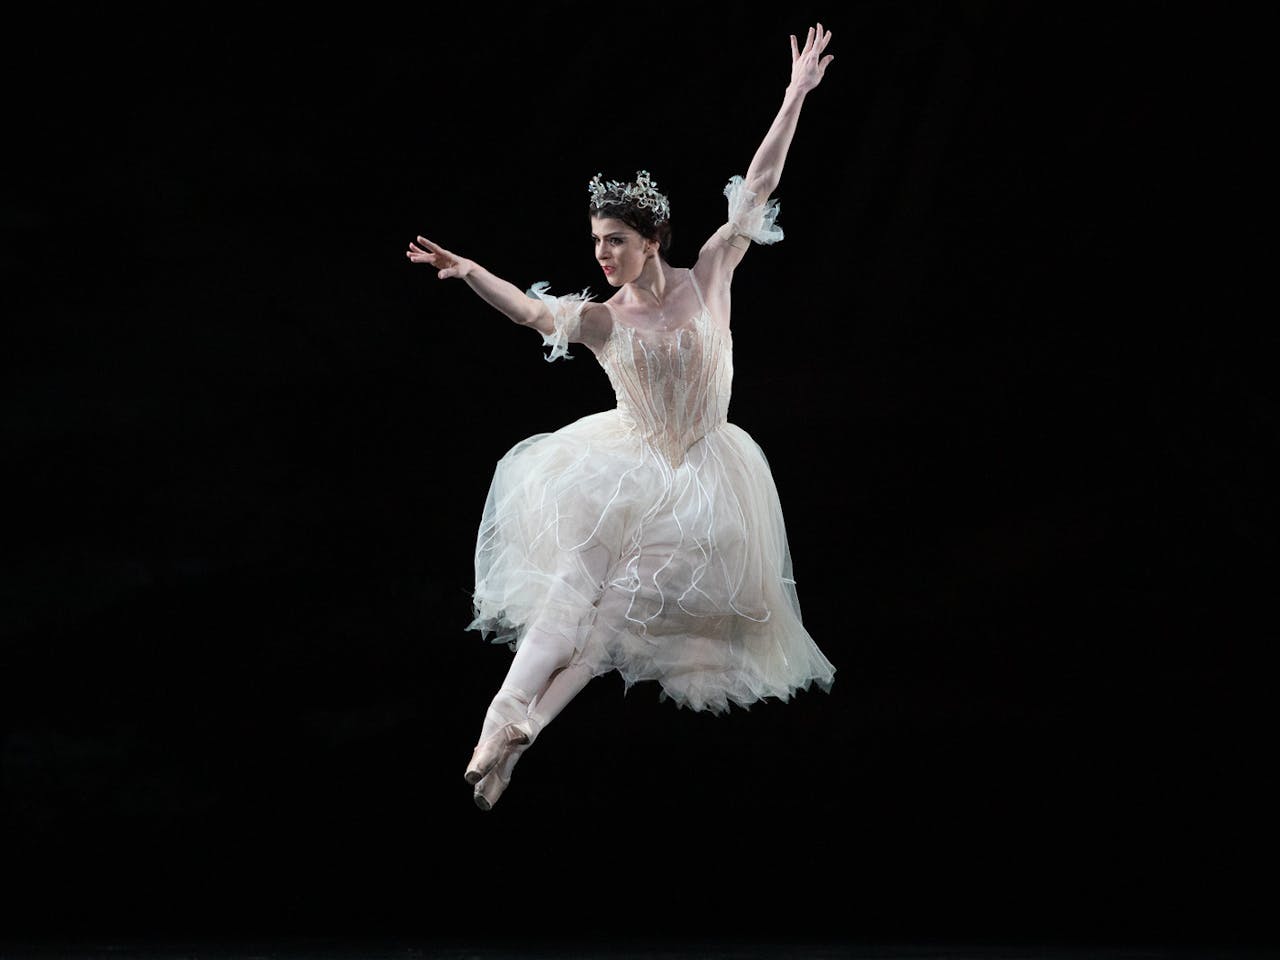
x=560, y=320
x=503, y=296
x=727, y=246
x=807, y=68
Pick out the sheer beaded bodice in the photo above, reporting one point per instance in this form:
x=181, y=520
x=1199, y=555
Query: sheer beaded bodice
x=672, y=385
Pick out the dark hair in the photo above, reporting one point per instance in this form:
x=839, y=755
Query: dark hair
x=639, y=219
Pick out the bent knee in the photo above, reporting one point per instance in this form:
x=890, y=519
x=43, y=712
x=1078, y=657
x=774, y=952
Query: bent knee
x=554, y=646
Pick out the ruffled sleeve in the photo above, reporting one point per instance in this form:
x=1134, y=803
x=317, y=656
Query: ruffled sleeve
x=749, y=218
x=566, y=316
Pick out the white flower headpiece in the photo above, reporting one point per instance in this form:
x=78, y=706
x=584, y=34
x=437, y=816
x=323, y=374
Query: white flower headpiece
x=642, y=193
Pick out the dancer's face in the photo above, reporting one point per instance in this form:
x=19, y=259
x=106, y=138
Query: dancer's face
x=620, y=250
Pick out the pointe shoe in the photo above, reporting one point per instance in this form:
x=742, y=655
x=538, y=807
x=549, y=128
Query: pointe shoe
x=491, y=787
x=491, y=749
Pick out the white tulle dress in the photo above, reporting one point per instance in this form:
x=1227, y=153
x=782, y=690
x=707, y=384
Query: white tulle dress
x=652, y=534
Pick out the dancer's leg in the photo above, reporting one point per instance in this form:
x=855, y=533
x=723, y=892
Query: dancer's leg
x=542, y=652
x=566, y=684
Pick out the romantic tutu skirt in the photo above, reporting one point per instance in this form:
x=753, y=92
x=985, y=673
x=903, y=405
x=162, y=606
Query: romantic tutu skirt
x=677, y=574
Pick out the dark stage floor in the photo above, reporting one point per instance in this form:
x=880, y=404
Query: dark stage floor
x=327, y=949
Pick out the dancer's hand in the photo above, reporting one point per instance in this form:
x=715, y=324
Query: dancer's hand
x=806, y=67
x=446, y=263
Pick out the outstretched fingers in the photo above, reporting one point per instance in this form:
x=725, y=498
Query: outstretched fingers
x=447, y=264
x=816, y=39
x=428, y=246
x=808, y=41
x=422, y=252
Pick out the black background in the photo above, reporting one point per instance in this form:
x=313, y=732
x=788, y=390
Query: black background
x=1020, y=426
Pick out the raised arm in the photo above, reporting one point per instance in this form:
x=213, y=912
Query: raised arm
x=807, y=68
x=726, y=247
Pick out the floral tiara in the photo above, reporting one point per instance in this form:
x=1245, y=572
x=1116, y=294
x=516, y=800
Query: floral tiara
x=642, y=193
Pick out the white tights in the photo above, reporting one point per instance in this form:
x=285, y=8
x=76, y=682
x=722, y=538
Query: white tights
x=544, y=676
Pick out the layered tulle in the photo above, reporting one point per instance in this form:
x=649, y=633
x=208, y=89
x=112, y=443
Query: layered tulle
x=679, y=575
x=750, y=217
x=566, y=318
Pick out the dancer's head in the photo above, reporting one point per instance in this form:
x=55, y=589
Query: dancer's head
x=630, y=223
